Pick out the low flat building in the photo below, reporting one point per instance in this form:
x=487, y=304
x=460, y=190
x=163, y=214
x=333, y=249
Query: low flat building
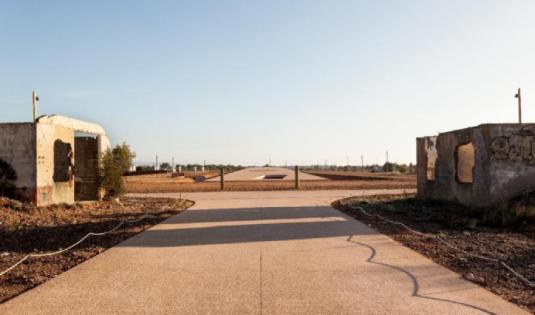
x=478, y=166
x=56, y=159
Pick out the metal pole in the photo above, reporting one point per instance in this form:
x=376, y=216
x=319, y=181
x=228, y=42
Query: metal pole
x=297, y=181
x=222, y=179
x=519, y=97
x=34, y=104
x=386, y=164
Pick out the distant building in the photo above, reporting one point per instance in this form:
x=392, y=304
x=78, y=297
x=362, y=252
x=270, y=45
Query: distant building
x=479, y=166
x=56, y=158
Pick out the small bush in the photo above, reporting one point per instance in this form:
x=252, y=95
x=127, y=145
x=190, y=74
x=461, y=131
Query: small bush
x=113, y=165
x=8, y=176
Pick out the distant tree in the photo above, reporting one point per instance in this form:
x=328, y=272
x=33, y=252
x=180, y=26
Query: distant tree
x=114, y=164
x=403, y=168
x=165, y=166
x=412, y=168
x=123, y=156
x=8, y=176
x=389, y=167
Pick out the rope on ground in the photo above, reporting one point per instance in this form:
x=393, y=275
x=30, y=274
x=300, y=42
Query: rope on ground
x=501, y=262
x=75, y=244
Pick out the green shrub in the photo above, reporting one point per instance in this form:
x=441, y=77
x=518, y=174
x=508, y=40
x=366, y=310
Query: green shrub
x=114, y=164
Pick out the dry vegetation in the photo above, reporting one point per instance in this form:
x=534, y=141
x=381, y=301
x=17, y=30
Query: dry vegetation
x=165, y=183
x=465, y=228
x=25, y=229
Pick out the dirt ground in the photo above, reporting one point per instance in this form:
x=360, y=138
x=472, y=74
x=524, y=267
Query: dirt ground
x=164, y=183
x=25, y=229
x=351, y=175
x=461, y=226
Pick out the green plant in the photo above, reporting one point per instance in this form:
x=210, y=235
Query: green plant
x=8, y=176
x=114, y=164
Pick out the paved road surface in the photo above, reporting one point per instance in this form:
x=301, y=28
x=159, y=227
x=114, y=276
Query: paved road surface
x=259, y=253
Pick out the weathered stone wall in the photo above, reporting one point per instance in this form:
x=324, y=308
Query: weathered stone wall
x=53, y=184
x=17, y=147
x=511, y=151
x=501, y=157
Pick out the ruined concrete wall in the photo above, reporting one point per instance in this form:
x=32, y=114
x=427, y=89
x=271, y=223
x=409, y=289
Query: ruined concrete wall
x=511, y=151
x=86, y=151
x=17, y=147
x=53, y=183
x=448, y=184
x=503, y=160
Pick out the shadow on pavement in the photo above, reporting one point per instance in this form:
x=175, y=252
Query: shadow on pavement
x=413, y=279
x=253, y=214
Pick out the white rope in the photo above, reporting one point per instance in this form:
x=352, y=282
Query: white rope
x=518, y=275
x=73, y=245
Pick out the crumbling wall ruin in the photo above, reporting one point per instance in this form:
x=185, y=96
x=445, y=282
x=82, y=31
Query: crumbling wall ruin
x=43, y=154
x=479, y=166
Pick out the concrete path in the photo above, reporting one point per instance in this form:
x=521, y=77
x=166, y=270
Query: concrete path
x=259, y=253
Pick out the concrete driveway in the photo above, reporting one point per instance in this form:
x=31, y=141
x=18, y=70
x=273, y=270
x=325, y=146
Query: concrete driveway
x=260, y=253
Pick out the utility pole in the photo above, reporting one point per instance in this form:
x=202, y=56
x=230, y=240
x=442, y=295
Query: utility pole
x=386, y=164
x=35, y=99
x=156, y=166
x=362, y=161
x=518, y=95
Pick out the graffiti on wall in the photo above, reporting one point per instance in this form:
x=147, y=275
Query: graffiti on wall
x=518, y=147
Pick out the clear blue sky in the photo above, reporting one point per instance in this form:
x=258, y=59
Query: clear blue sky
x=243, y=81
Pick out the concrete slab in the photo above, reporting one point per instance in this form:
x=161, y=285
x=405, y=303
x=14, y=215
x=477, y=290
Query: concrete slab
x=260, y=253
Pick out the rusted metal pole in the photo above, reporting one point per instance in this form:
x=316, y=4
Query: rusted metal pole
x=222, y=179
x=297, y=181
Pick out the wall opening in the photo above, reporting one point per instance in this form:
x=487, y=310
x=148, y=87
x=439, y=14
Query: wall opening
x=63, y=161
x=86, y=185
x=431, y=157
x=466, y=161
